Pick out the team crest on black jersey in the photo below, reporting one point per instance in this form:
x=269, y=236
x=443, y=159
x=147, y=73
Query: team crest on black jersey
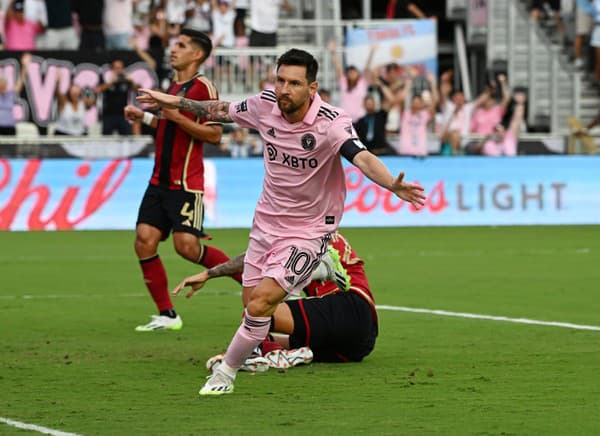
x=309, y=142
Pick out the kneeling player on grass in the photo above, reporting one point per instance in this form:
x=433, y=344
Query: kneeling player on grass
x=335, y=327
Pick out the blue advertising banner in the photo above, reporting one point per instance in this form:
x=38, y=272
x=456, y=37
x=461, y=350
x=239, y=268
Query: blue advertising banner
x=65, y=194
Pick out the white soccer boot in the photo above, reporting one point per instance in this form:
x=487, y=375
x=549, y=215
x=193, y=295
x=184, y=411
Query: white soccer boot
x=254, y=363
x=283, y=359
x=218, y=383
x=161, y=322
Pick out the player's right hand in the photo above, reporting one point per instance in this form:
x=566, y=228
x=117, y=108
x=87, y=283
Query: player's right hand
x=157, y=98
x=196, y=282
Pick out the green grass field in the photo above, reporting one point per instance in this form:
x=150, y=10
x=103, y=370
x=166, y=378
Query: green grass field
x=71, y=361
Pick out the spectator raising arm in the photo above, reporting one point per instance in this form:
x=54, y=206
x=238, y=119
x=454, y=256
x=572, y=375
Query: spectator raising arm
x=25, y=61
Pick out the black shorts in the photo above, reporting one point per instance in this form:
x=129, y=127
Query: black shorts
x=179, y=211
x=539, y=4
x=337, y=327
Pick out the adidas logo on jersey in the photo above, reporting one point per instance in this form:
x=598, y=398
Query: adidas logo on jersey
x=271, y=132
x=290, y=279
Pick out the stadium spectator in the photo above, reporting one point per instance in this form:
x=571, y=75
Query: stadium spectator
x=264, y=21
x=405, y=9
x=456, y=115
x=303, y=192
x=550, y=9
x=141, y=24
x=9, y=96
x=223, y=17
x=503, y=141
x=115, y=96
x=158, y=49
x=90, y=14
x=416, y=120
x=371, y=127
x=583, y=28
x=199, y=16
x=353, y=84
x=489, y=113
x=35, y=10
x=268, y=81
x=593, y=9
x=60, y=32
x=241, y=10
x=175, y=11
x=71, y=109
x=347, y=336
x=389, y=75
x=117, y=23
x=19, y=32
x=173, y=199
x=239, y=143
x=325, y=95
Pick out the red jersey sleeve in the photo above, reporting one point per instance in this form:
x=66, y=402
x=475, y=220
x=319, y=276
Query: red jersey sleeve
x=203, y=90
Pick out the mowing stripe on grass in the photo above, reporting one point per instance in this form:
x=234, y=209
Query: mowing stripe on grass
x=565, y=325
x=33, y=427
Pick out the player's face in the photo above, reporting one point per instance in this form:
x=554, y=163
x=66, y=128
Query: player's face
x=183, y=53
x=292, y=89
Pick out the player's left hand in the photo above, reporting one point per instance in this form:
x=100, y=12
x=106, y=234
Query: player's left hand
x=411, y=192
x=196, y=282
x=157, y=98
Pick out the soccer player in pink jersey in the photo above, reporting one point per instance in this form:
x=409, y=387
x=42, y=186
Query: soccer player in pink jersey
x=303, y=193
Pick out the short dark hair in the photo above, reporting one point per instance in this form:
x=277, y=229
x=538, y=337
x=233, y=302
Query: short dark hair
x=201, y=39
x=300, y=58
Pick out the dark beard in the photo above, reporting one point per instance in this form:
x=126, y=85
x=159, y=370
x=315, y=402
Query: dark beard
x=291, y=108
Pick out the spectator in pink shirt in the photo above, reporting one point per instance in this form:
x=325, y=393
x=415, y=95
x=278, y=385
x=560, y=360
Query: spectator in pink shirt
x=503, y=142
x=487, y=116
x=456, y=115
x=353, y=84
x=19, y=31
x=416, y=119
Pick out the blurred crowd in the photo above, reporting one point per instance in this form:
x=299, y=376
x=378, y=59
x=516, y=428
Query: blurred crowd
x=408, y=111
x=395, y=109
x=98, y=25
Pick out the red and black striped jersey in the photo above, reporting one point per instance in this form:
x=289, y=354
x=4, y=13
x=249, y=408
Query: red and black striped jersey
x=178, y=163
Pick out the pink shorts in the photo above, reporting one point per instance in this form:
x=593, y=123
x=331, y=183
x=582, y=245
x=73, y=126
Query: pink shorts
x=289, y=261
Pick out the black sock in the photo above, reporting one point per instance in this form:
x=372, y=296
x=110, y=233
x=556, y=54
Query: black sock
x=169, y=312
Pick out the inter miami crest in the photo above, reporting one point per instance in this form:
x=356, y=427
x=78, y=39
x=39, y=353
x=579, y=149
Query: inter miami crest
x=309, y=142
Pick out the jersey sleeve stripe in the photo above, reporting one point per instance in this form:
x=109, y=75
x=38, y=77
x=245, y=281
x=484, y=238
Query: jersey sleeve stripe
x=210, y=87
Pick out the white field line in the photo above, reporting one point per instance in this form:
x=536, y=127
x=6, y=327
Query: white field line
x=565, y=325
x=33, y=427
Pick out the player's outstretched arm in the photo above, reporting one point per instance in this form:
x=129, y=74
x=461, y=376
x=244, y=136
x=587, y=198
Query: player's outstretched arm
x=374, y=169
x=196, y=282
x=213, y=110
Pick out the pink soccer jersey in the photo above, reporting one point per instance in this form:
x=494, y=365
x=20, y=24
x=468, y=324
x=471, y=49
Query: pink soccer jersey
x=304, y=186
